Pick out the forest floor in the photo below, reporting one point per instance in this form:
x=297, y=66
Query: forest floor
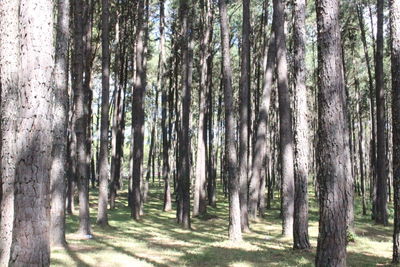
x=156, y=240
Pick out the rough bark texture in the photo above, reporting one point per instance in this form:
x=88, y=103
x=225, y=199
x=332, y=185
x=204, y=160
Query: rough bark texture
x=102, y=218
x=235, y=232
x=285, y=122
x=300, y=227
x=381, y=189
x=244, y=117
x=395, y=43
x=331, y=248
x=138, y=113
x=260, y=147
x=27, y=225
x=184, y=165
x=81, y=119
x=9, y=63
x=60, y=124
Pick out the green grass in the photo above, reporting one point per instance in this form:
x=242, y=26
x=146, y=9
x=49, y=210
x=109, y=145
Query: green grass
x=156, y=240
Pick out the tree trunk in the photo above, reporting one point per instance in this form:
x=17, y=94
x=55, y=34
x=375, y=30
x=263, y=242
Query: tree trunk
x=27, y=91
x=200, y=196
x=381, y=189
x=361, y=148
x=372, y=165
x=395, y=49
x=331, y=248
x=244, y=116
x=81, y=117
x=165, y=93
x=102, y=218
x=260, y=147
x=184, y=140
x=60, y=126
x=285, y=122
x=138, y=113
x=300, y=233
x=9, y=63
x=235, y=233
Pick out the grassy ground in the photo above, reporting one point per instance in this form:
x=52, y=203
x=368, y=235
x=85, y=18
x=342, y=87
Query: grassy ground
x=157, y=240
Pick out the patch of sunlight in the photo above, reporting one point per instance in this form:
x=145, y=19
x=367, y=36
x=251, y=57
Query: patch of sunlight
x=241, y=264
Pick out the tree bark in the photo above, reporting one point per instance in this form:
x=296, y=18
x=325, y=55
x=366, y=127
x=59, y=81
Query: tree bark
x=26, y=79
x=331, y=248
x=285, y=122
x=244, y=117
x=138, y=113
x=300, y=233
x=102, y=218
x=81, y=116
x=60, y=125
x=200, y=195
x=184, y=165
x=260, y=147
x=9, y=63
x=395, y=59
x=381, y=190
x=235, y=233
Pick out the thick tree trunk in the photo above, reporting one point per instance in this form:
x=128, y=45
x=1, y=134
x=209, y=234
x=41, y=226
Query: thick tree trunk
x=9, y=63
x=102, y=218
x=300, y=233
x=395, y=49
x=60, y=125
x=331, y=249
x=285, y=122
x=381, y=189
x=27, y=83
x=235, y=233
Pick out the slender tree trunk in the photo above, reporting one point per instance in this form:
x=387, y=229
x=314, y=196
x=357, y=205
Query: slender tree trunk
x=395, y=49
x=184, y=140
x=81, y=117
x=381, y=192
x=102, y=218
x=331, y=248
x=244, y=116
x=372, y=165
x=138, y=113
x=285, y=122
x=235, y=233
x=200, y=196
x=60, y=126
x=166, y=93
x=361, y=148
x=260, y=147
x=300, y=233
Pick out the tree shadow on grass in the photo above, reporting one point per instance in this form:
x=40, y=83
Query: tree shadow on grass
x=130, y=253
x=366, y=260
x=79, y=262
